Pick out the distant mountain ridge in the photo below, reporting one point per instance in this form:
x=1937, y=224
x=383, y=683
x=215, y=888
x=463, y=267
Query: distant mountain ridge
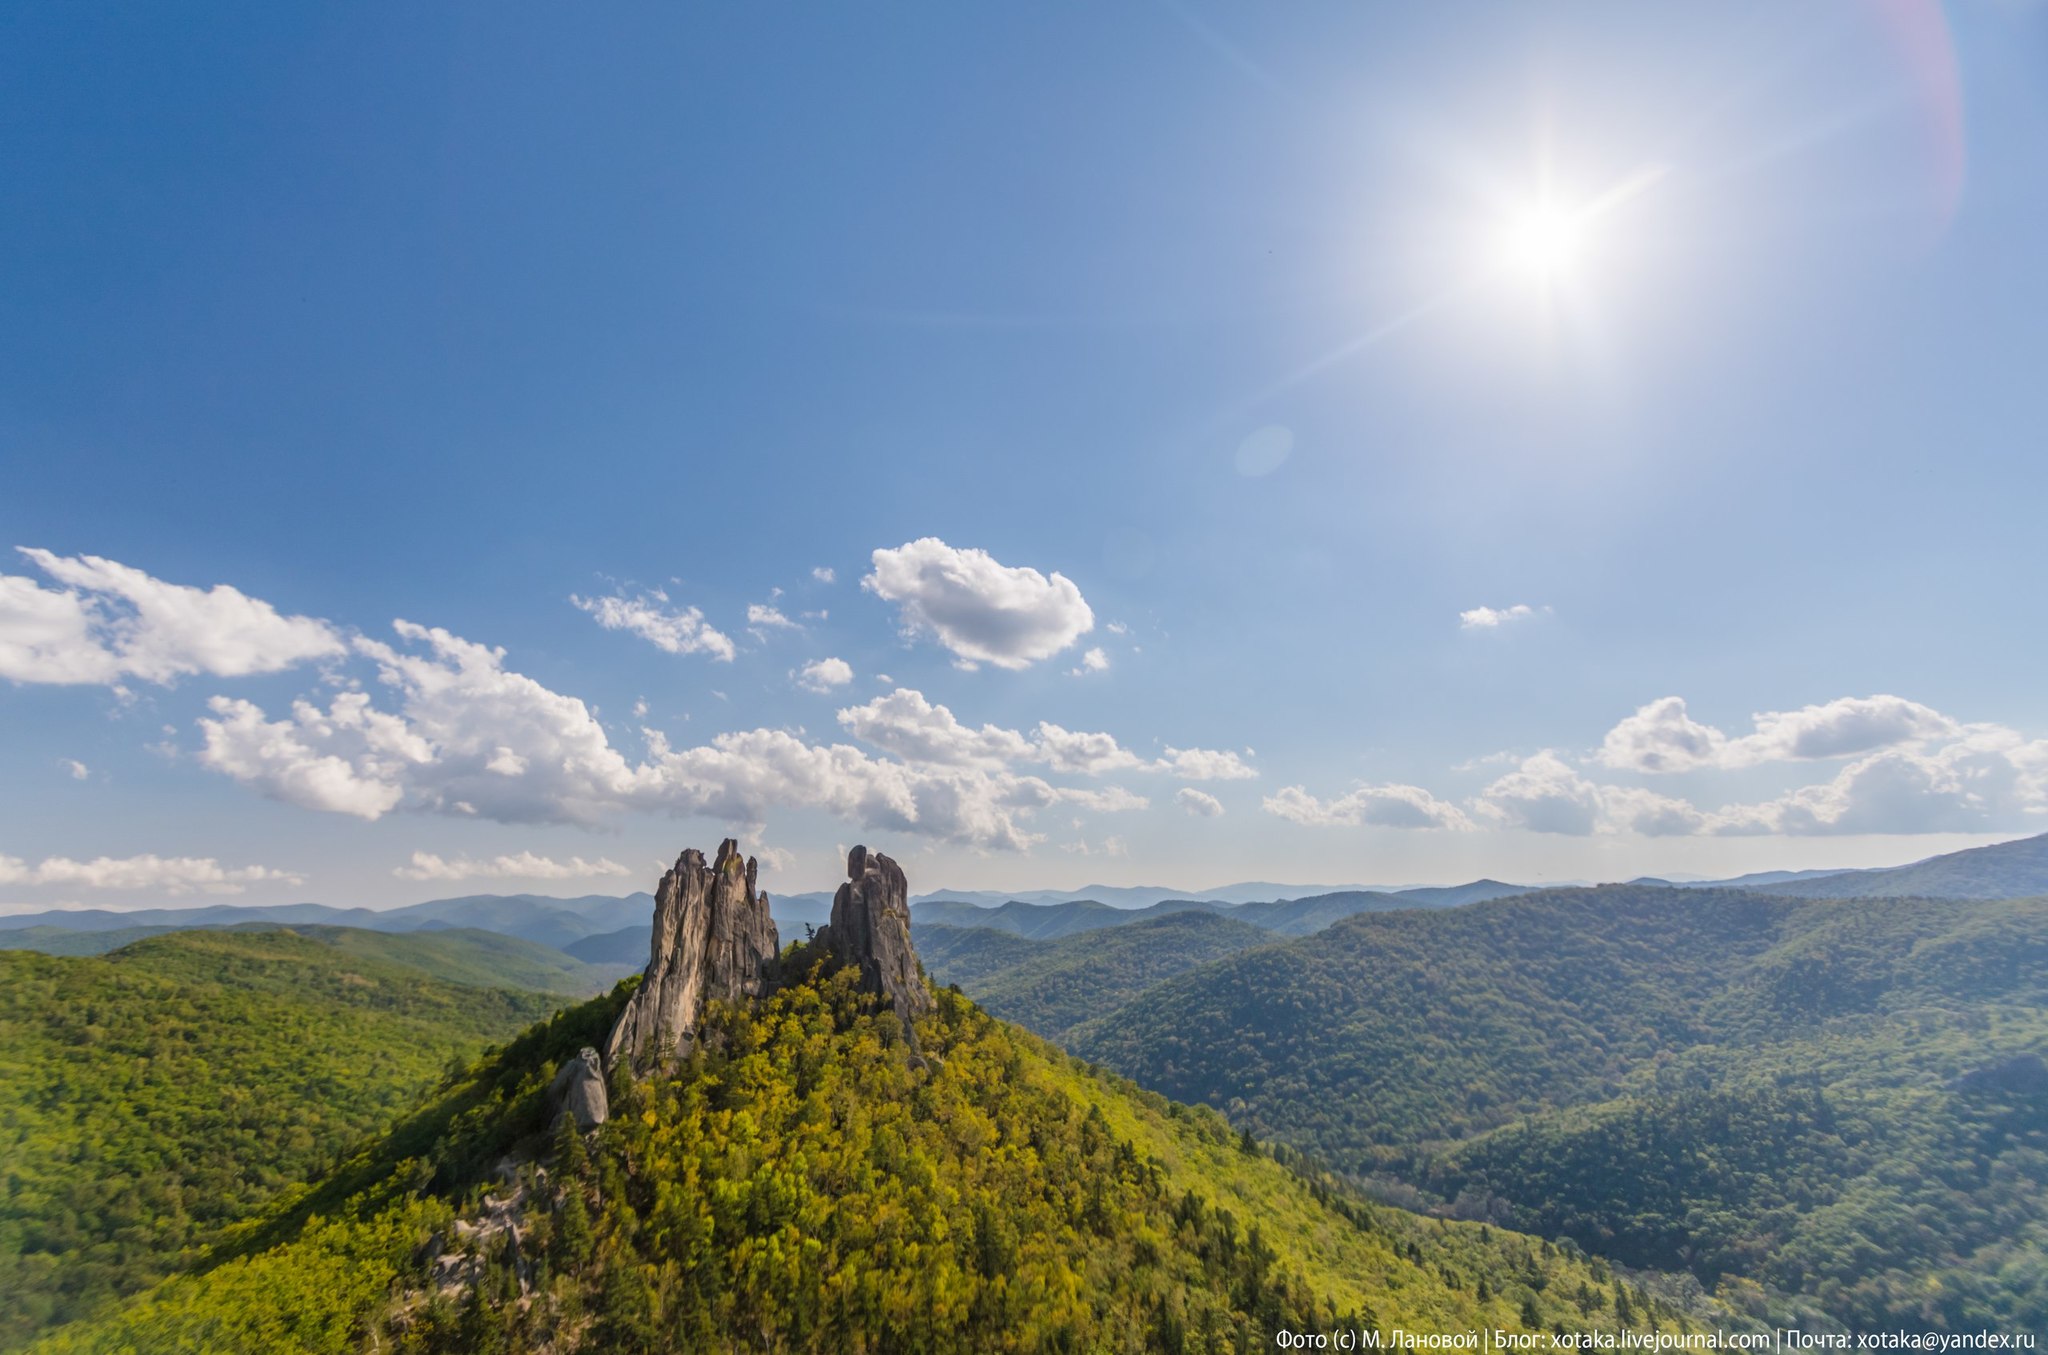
x=538, y=918
x=2004, y=870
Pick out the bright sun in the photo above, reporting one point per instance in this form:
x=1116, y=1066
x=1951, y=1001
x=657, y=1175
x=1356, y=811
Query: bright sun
x=1544, y=242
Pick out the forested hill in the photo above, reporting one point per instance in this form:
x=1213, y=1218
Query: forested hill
x=809, y=1181
x=2004, y=870
x=1839, y=1100
x=1050, y=986
x=152, y=1097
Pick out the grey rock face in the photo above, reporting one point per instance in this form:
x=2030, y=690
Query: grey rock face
x=870, y=928
x=713, y=938
x=578, y=1091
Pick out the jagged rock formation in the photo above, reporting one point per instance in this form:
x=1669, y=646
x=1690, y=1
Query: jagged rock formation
x=713, y=938
x=578, y=1091
x=870, y=929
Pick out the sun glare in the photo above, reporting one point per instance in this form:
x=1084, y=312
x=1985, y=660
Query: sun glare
x=1543, y=243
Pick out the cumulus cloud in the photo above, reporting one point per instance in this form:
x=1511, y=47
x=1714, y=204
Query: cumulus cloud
x=1988, y=780
x=156, y=874
x=1200, y=804
x=1663, y=737
x=1090, y=754
x=1492, y=618
x=761, y=616
x=1383, y=806
x=348, y=759
x=983, y=611
x=650, y=616
x=1543, y=795
x=469, y=737
x=1845, y=727
x=75, y=769
x=1094, y=661
x=905, y=723
x=823, y=675
x=1109, y=800
x=913, y=728
x=520, y=866
x=1204, y=764
x=108, y=621
x=824, y=574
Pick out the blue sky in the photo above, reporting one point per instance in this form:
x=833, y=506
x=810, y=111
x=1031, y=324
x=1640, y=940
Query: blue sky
x=1274, y=357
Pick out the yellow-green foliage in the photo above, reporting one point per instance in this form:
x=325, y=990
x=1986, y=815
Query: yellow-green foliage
x=152, y=1097
x=806, y=1183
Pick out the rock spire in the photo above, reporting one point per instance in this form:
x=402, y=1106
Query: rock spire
x=713, y=938
x=870, y=928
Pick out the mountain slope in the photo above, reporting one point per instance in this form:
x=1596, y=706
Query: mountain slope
x=533, y=917
x=806, y=1183
x=1285, y=917
x=1049, y=986
x=970, y=955
x=152, y=1097
x=2004, y=870
x=1712, y=1078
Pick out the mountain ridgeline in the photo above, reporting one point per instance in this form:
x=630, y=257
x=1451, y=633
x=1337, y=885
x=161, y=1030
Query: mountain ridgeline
x=1842, y=1103
x=809, y=1149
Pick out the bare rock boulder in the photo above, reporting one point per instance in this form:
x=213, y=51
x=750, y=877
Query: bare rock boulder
x=713, y=939
x=578, y=1091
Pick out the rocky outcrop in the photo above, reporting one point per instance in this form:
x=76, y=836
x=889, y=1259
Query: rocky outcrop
x=870, y=929
x=713, y=938
x=578, y=1091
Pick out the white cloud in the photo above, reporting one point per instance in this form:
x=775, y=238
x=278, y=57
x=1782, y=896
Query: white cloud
x=983, y=611
x=1385, y=806
x=1989, y=780
x=1204, y=764
x=1663, y=737
x=1109, y=800
x=913, y=728
x=1845, y=727
x=651, y=617
x=157, y=874
x=1543, y=795
x=1200, y=804
x=520, y=866
x=471, y=738
x=773, y=858
x=1094, y=661
x=824, y=674
x=470, y=735
x=1492, y=618
x=739, y=777
x=906, y=724
x=110, y=621
x=1068, y=750
x=75, y=769
x=761, y=616
x=1118, y=628
x=824, y=574
x=1109, y=846
x=348, y=759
